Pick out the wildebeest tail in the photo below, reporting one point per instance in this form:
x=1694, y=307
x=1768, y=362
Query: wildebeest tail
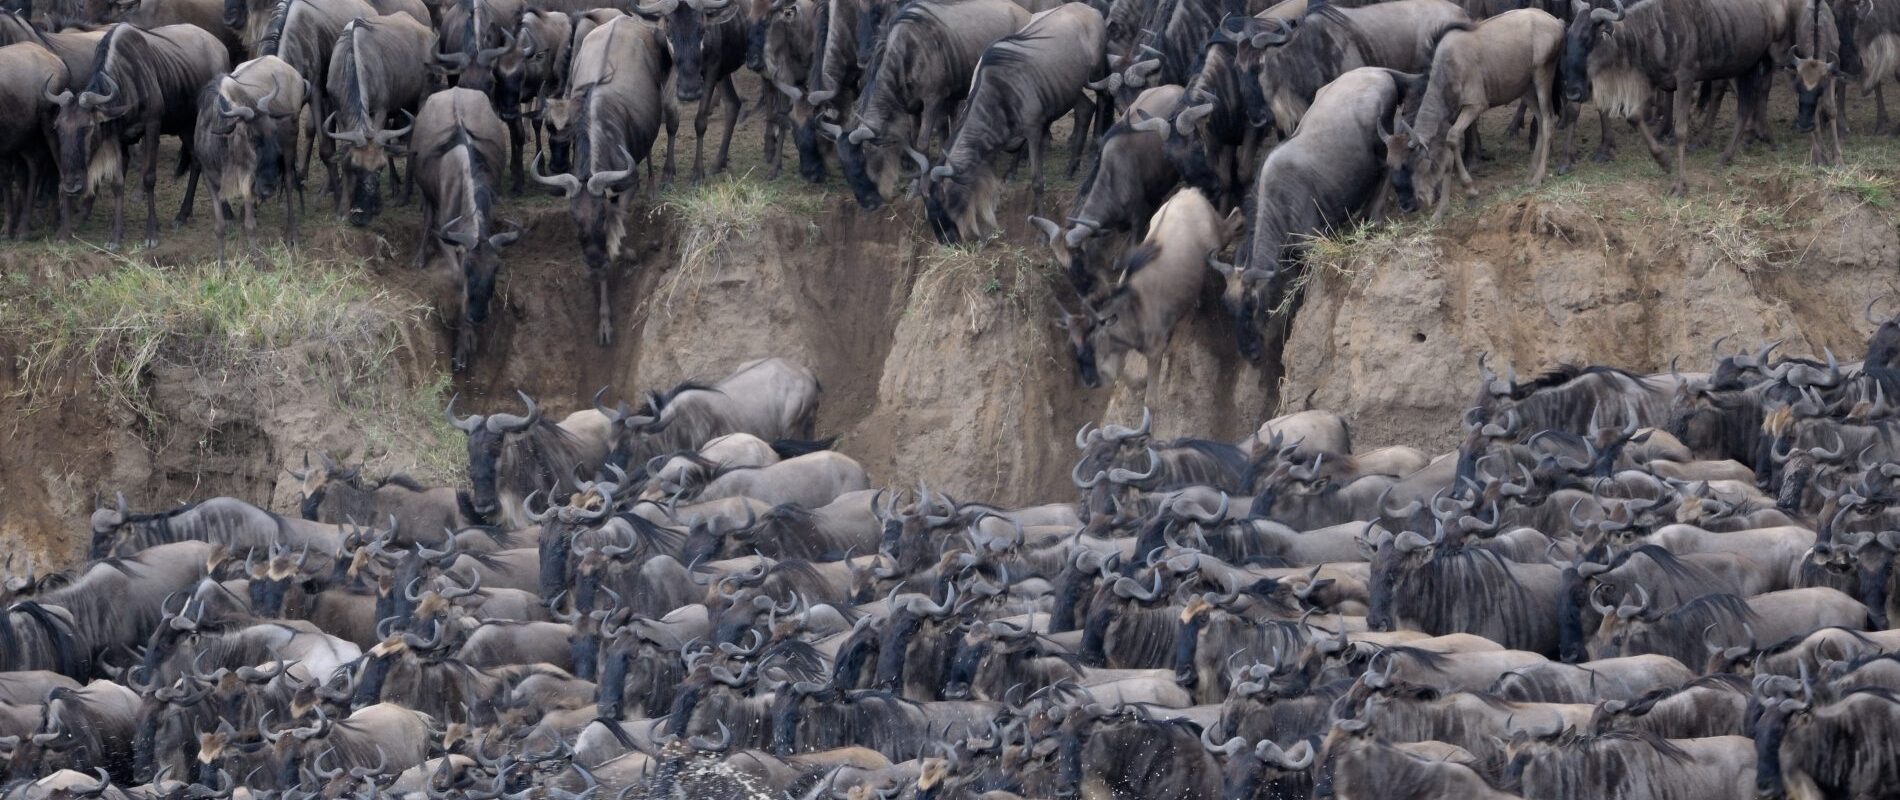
x=793, y=448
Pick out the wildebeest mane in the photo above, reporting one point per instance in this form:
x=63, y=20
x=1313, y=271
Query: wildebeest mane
x=1722, y=610
x=274, y=32
x=1139, y=256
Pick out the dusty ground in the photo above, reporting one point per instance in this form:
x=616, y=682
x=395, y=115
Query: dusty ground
x=938, y=363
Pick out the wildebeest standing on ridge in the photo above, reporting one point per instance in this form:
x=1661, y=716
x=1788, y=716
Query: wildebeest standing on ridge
x=615, y=89
x=1024, y=83
x=25, y=69
x=247, y=140
x=1623, y=58
x=378, y=69
x=304, y=34
x=1475, y=68
x=458, y=143
x=706, y=40
x=144, y=85
x=920, y=73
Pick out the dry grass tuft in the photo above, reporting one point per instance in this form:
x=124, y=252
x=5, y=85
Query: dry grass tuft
x=279, y=320
x=984, y=279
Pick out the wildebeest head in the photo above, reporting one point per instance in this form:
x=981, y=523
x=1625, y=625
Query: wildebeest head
x=870, y=163
x=1589, y=28
x=959, y=207
x=479, y=259
x=1243, y=287
x=1185, y=137
x=1081, y=330
x=236, y=13
x=486, y=435
x=365, y=153
x=688, y=24
x=89, y=151
x=598, y=204
x=1265, y=770
x=1816, y=48
x=1072, y=248
x=252, y=158
x=1407, y=161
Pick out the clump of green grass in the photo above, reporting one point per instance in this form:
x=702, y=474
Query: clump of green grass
x=714, y=215
x=414, y=430
x=1862, y=183
x=275, y=321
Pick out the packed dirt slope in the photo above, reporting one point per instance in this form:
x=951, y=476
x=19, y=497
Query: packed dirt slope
x=939, y=364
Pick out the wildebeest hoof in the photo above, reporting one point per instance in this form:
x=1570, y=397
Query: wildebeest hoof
x=1600, y=156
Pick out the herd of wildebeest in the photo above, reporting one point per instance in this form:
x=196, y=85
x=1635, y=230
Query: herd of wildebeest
x=1208, y=125
x=1668, y=586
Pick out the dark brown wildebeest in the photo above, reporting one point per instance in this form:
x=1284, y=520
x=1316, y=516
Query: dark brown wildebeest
x=557, y=111
x=1817, y=61
x=1623, y=58
x=834, y=71
x=1131, y=177
x=534, y=71
x=615, y=87
x=707, y=43
x=921, y=73
x=787, y=58
x=304, y=34
x=1163, y=284
x=1289, y=60
x=208, y=15
x=339, y=494
x=144, y=85
x=1629, y=763
x=1024, y=83
x=247, y=141
x=1330, y=171
x=24, y=69
x=1210, y=139
x=770, y=398
x=76, y=49
x=1826, y=743
x=458, y=145
x=378, y=68
x=1475, y=68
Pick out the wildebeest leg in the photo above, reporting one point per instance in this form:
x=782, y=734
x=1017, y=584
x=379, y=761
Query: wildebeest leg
x=1083, y=114
x=1035, y=171
x=606, y=331
x=1747, y=92
x=1880, y=110
x=776, y=120
x=149, y=182
x=670, y=115
x=1541, y=85
x=1834, y=115
x=428, y=231
x=1709, y=103
x=191, y=193
x=1463, y=126
x=1567, y=119
x=218, y=220
x=699, y=133
x=1607, y=144
x=1683, y=106
x=250, y=227
x=925, y=127
x=732, y=121
x=1517, y=119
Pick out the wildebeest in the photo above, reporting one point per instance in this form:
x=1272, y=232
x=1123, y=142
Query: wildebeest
x=378, y=69
x=1631, y=764
x=337, y=494
x=1817, y=60
x=1023, y=84
x=706, y=40
x=1329, y=172
x=1164, y=275
x=786, y=58
x=535, y=70
x=1435, y=588
x=304, y=34
x=1623, y=58
x=1634, y=628
x=921, y=72
x=615, y=84
x=1817, y=745
x=1475, y=68
x=144, y=85
x=458, y=143
x=1289, y=60
x=1130, y=179
x=25, y=68
x=511, y=457
x=770, y=398
x=247, y=143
